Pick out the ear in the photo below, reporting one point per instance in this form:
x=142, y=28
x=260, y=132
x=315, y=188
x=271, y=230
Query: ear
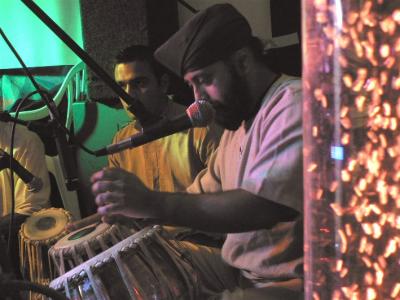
x=241, y=60
x=164, y=83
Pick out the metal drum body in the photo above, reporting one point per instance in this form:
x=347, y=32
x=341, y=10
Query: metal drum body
x=37, y=234
x=83, y=244
x=143, y=266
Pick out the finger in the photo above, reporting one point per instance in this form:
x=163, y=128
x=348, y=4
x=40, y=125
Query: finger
x=108, y=219
x=96, y=176
x=106, y=186
x=108, y=174
x=112, y=219
x=109, y=197
x=110, y=209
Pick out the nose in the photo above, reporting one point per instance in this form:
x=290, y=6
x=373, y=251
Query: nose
x=199, y=93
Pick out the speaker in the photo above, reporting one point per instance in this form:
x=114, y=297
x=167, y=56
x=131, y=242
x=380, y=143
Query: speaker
x=111, y=25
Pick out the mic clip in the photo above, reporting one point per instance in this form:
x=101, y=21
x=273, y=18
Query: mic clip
x=35, y=185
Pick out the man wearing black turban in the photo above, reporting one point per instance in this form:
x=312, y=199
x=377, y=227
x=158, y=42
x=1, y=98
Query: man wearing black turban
x=253, y=187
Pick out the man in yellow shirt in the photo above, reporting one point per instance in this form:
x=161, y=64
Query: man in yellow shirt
x=169, y=164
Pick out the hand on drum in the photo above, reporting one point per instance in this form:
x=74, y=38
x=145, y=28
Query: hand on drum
x=75, y=225
x=120, y=192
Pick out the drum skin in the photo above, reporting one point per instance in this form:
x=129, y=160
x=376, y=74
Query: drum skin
x=85, y=243
x=46, y=224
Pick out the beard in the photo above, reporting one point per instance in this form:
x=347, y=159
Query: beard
x=236, y=106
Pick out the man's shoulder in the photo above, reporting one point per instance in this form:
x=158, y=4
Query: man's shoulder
x=287, y=82
x=285, y=89
x=24, y=140
x=285, y=97
x=24, y=136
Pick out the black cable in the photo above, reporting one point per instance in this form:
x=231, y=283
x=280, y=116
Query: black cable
x=188, y=6
x=28, y=73
x=8, y=286
x=11, y=156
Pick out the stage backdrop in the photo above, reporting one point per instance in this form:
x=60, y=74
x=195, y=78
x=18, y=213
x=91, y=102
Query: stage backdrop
x=37, y=45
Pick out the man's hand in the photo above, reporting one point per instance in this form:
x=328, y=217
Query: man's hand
x=120, y=192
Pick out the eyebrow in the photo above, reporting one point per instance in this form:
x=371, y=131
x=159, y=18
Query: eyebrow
x=196, y=77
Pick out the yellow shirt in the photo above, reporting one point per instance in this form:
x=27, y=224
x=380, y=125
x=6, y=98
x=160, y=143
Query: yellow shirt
x=169, y=164
x=29, y=152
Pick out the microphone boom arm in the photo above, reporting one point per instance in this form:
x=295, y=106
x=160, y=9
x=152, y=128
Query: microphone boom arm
x=199, y=114
x=146, y=135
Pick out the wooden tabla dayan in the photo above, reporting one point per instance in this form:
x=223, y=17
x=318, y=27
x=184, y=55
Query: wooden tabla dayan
x=82, y=244
x=37, y=234
x=145, y=265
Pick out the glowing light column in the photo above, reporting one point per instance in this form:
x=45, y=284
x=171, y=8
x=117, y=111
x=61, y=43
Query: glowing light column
x=351, y=86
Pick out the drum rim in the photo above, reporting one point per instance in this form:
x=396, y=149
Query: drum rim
x=64, y=245
x=65, y=217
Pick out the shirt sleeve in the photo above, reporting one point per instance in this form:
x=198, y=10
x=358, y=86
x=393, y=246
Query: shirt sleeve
x=276, y=171
x=206, y=141
x=208, y=180
x=31, y=156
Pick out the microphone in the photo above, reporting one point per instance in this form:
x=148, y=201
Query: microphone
x=35, y=184
x=54, y=130
x=199, y=114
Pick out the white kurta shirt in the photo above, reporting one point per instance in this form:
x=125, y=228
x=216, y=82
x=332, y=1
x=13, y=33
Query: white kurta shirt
x=29, y=152
x=266, y=160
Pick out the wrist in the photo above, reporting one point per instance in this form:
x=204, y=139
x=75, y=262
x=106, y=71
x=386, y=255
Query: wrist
x=162, y=206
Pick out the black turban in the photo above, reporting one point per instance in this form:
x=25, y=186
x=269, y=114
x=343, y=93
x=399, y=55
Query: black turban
x=210, y=35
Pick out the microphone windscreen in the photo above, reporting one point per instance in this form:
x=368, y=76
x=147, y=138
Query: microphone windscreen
x=201, y=113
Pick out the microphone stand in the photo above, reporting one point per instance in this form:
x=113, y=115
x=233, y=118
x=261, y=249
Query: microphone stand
x=59, y=131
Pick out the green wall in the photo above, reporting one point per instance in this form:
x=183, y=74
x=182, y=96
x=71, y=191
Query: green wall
x=37, y=45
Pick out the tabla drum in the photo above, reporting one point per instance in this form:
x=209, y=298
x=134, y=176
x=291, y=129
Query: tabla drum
x=143, y=266
x=37, y=234
x=85, y=243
